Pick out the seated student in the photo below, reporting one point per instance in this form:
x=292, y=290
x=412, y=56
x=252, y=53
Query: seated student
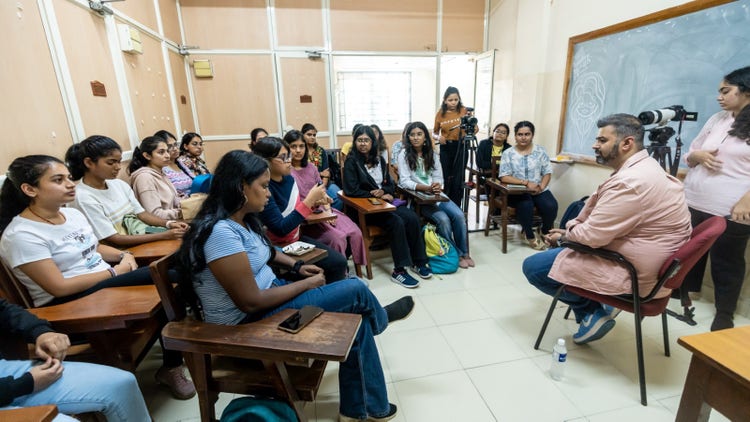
x=341, y=234
x=52, y=250
x=190, y=160
x=365, y=176
x=419, y=169
x=528, y=164
x=380, y=142
x=317, y=156
x=224, y=259
x=492, y=147
x=285, y=211
x=181, y=181
x=614, y=218
x=347, y=147
x=257, y=134
x=396, y=149
x=105, y=200
x=151, y=187
x=74, y=387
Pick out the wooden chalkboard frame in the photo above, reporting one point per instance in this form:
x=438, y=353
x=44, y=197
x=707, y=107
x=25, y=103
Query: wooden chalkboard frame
x=655, y=17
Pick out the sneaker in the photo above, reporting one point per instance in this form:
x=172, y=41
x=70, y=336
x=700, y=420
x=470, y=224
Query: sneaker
x=722, y=321
x=403, y=278
x=423, y=271
x=391, y=414
x=593, y=327
x=175, y=379
x=611, y=310
x=399, y=309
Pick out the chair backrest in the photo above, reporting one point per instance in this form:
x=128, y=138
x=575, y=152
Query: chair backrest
x=173, y=304
x=704, y=235
x=495, y=166
x=13, y=290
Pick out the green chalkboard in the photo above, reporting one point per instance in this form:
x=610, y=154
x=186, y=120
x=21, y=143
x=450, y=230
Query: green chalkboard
x=673, y=57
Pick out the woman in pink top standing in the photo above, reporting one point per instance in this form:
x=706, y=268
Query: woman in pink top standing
x=718, y=183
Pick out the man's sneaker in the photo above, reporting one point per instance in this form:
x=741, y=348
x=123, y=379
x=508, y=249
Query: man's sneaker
x=174, y=378
x=403, y=278
x=399, y=309
x=423, y=271
x=611, y=310
x=593, y=327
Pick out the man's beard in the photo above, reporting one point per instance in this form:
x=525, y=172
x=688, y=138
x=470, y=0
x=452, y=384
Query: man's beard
x=613, y=153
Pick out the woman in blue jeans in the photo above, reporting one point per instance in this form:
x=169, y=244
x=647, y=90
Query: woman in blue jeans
x=224, y=264
x=419, y=169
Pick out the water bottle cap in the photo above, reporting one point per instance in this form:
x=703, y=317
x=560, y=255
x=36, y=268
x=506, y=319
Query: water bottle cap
x=561, y=342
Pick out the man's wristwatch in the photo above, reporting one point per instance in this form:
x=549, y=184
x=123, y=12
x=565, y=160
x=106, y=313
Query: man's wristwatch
x=560, y=241
x=297, y=265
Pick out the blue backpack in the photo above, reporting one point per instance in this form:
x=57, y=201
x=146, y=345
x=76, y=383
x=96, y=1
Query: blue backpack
x=572, y=211
x=441, y=253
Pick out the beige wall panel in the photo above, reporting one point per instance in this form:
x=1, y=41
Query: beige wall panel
x=31, y=114
x=302, y=76
x=299, y=22
x=181, y=91
x=141, y=10
x=169, y=20
x=238, y=98
x=324, y=141
x=149, y=93
x=463, y=25
x=225, y=24
x=214, y=150
x=387, y=25
x=87, y=51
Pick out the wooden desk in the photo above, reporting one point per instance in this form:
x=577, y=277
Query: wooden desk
x=122, y=304
x=421, y=198
x=311, y=257
x=44, y=413
x=146, y=253
x=321, y=217
x=502, y=191
x=719, y=375
x=364, y=205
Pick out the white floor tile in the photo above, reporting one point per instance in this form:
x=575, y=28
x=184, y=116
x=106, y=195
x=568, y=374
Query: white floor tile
x=480, y=343
x=414, y=354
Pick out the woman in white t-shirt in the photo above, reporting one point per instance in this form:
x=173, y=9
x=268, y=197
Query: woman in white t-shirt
x=54, y=253
x=105, y=200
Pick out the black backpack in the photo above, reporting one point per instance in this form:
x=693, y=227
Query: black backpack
x=572, y=211
x=334, y=167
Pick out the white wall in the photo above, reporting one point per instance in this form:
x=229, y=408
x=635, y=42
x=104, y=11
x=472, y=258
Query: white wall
x=531, y=39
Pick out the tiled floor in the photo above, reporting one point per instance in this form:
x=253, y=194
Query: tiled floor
x=466, y=354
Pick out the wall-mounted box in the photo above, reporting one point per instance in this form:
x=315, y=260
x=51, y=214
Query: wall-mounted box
x=203, y=68
x=130, y=39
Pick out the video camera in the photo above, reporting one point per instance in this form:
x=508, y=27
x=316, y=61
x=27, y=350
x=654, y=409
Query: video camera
x=469, y=122
x=675, y=113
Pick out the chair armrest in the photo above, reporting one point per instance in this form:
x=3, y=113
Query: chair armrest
x=328, y=337
x=609, y=255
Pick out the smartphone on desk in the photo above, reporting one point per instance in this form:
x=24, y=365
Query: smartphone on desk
x=298, y=320
x=374, y=201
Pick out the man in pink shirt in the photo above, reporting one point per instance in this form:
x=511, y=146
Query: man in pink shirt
x=639, y=212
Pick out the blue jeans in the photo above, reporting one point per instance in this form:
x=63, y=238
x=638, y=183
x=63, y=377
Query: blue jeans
x=536, y=269
x=85, y=387
x=450, y=223
x=524, y=204
x=333, y=191
x=361, y=380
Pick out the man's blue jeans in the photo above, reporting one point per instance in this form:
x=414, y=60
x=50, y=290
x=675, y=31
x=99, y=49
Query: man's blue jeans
x=536, y=269
x=85, y=387
x=362, y=388
x=450, y=223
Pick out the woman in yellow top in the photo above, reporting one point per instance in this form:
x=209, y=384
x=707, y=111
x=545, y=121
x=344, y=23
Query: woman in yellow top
x=448, y=131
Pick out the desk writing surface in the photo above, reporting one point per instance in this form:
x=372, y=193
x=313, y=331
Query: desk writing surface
x=728, y=350
x=426, y=198
x=44, y=413
x=320, y=217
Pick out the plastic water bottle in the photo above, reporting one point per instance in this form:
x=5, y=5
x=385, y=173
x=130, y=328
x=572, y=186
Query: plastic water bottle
x=559, y=356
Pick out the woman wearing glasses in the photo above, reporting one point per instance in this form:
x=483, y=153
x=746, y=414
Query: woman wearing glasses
x=190, y=160
x=105, y=200
x=366, y=175
x=181, y=181
x=286, y=211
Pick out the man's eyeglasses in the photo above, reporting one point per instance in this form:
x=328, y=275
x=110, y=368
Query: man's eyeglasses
x=284, y=158
x=363, y=140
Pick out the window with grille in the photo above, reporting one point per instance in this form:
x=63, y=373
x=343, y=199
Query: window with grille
x=373, y=97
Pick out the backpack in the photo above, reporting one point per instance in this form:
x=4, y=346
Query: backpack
x=334, y=168
x=572, y=211
x=441, y=253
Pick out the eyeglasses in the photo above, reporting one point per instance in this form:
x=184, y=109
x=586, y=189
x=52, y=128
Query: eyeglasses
x=501, y=132
x=363, y=140
x=172, y=146
x=284, y=158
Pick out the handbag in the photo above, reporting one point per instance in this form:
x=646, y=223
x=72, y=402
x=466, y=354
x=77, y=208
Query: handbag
x=134, y=225
x=441, y=253
x=190, y=206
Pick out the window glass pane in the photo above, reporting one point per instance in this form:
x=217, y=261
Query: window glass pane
x=382, y=98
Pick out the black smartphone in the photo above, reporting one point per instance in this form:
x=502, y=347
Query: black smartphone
x=298, y=320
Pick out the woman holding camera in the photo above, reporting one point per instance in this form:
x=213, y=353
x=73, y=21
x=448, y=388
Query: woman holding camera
x=718, y=183
x=448, y=132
